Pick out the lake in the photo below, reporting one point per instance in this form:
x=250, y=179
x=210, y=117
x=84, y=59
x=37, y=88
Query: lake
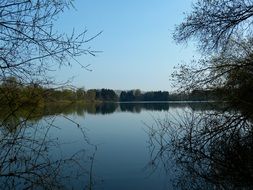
x=105, y=146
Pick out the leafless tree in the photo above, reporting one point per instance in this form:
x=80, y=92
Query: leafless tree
x=214, y=22
x=213, y=148
x=223, y=30
x=229, y=69
x=30, y=44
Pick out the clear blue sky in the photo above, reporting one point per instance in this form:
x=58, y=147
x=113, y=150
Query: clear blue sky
x=138, y=49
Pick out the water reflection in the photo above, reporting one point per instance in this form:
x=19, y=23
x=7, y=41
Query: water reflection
x=211, y=149
x=38, y=149
x=108, y=108
x=32, y=159
x=138, y=107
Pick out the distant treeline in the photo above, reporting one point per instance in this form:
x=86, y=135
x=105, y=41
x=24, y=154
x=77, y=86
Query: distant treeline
x=11, y=91
x=196, y=95
x=137, y=95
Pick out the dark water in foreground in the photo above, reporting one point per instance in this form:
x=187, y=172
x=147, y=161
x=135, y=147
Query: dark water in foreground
x=114, y=146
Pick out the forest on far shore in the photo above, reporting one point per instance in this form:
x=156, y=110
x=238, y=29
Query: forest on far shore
x=13, y=91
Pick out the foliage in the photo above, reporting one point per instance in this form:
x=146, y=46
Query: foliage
x=106, y=95
x=136, y=95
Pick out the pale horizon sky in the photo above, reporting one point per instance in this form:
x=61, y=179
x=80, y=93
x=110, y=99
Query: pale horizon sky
x=138, y=51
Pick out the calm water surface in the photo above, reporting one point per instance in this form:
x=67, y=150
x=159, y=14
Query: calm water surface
x=106, y=146
x=122, y=156
x=120, y=132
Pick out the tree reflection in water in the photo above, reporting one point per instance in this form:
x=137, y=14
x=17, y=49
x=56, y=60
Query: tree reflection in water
x=211, y=149
x=31, y=159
